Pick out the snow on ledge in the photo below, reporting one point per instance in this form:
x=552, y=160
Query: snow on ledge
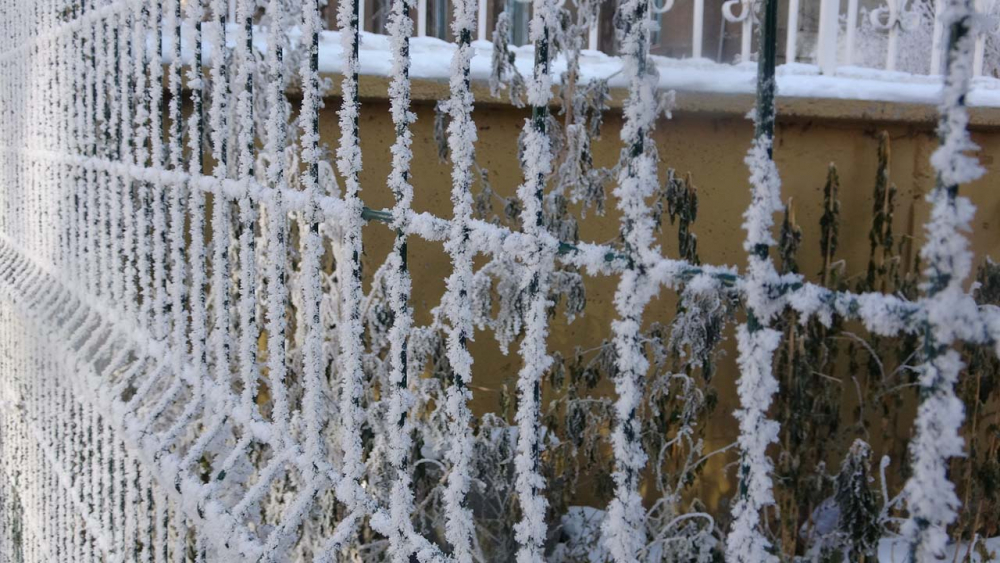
x=431, y=58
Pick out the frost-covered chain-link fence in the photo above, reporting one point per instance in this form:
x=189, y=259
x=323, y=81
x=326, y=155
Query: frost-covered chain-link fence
x=184, y=372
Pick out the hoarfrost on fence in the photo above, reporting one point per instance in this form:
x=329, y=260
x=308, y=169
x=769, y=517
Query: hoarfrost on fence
x=146, y=254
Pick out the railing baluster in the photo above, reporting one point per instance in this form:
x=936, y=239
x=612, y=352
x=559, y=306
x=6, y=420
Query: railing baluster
x=890, y=18
x=195, y=14
x=157, y=191
x=893, y=45
x=937, y=38
x=746, y=38
x=595, y=27
x=745, y=19
x=698, y=26
x=481, y=33
x=852, y=31
x=791, y=43
x=829, y=27
x=421, y=18
x=979, y=57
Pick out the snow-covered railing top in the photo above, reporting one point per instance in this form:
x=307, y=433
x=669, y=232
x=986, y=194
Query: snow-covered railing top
x=835, y=27
x=432, y=58
x=834, y=68
x=847, y=50
x=157, y=275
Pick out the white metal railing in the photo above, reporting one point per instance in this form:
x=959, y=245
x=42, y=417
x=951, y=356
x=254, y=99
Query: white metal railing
x=745, y=18
x=836, y=30
x=991, y=28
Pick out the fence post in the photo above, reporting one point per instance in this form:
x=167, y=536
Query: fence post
x=829, y=27
x=792, y=39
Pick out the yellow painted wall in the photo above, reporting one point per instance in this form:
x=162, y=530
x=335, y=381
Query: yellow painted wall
x=708, y=137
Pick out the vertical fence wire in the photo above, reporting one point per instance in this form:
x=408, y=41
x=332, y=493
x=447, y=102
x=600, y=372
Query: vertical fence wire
x=461, y=142
x=931, y=498
x=401, y=502
x=531, y=531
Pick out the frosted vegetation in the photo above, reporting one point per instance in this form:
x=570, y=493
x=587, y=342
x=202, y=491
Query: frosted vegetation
x=196, y=367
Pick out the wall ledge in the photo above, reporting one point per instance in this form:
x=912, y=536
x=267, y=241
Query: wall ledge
x=710, y=103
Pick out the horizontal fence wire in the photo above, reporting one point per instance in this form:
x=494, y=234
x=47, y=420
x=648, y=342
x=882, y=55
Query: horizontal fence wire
x=147, y=251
